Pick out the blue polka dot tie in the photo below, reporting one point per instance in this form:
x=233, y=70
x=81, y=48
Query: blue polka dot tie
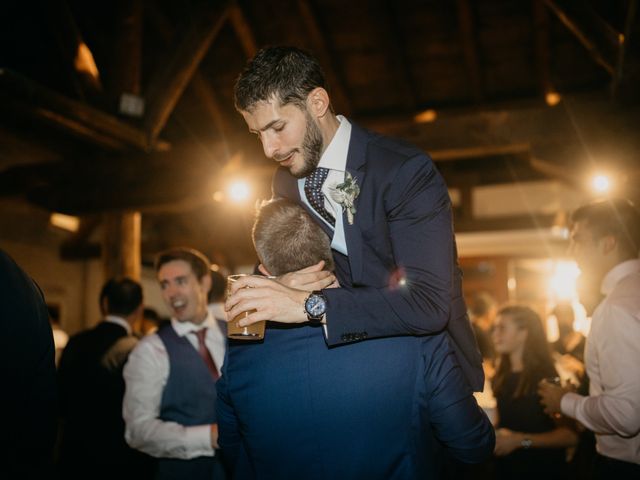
x=313, y=190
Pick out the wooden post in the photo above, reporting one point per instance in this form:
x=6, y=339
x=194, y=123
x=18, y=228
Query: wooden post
x=121, y=252
x=121, y=247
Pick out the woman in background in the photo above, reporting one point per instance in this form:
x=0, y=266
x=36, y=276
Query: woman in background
x=529, y=444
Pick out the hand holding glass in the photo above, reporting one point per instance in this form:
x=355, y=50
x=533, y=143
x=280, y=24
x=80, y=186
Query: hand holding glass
x=254, y=331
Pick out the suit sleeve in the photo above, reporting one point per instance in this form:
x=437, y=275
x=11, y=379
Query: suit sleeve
x=452, y=411
x=419, y=229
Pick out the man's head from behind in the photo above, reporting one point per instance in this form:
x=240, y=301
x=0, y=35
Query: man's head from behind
x=282, y=96
x=287, y=239
x=122, y=297
x=604, y=233
x=184, y=279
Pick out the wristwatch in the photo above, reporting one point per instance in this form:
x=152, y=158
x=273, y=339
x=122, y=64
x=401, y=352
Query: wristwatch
x=526, y=443
x=315, y=306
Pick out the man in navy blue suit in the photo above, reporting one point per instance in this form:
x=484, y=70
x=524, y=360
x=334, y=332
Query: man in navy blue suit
x=370, y=379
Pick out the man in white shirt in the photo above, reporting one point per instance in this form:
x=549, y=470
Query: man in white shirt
x=169, y=404
x=605, y=239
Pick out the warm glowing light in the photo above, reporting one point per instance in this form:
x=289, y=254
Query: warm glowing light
x=552, y=98
x=218, y=196
x=426, y=117
x=562, y=284
x=601, y=183
x=239, y=191
x=65, y=222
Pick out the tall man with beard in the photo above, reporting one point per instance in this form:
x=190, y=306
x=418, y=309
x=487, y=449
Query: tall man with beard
x=169, y=404
x=378, y=381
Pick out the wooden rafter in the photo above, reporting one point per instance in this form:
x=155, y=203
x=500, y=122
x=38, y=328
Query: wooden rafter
x=28, y=98
x=632, y=11
x=321, y=50
x=465, y=23
x=201, y=87
x=167, y=86
x=243, y=30
x=580, y=34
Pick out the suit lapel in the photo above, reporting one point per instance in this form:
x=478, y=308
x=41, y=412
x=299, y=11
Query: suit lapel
x=356, y=167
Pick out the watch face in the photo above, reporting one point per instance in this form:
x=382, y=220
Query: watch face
x=316, y=305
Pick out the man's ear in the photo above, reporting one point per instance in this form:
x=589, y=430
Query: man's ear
x=609, y=243
x=263, y=270
x=205, y=281
x=318, y=102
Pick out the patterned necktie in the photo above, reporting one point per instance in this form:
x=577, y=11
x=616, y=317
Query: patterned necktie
x=205, y=354
x=313, y=190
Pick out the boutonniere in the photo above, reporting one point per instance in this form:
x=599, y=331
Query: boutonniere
x=345, y=194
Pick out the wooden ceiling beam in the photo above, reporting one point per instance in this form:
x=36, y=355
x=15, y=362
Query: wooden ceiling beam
x=28, y=98
x=624, y=40
x=339, y=96
x=468, y=40
x=201, y=87
x=168, y=85
x=243, y=30
x=580, y=35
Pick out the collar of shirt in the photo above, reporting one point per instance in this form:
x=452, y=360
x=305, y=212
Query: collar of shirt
x=182, y=328
x=119, y=321
x=335, y=155
x=617, y=273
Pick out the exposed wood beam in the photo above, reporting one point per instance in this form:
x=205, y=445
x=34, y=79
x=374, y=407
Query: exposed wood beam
x=624, y=40
x=339, y=96
x=396, y=47
x=127, y=72
x=26, y=97
x=167, y=86
x=580, y=34
x=243, y=30
x=467, y=34
x=201, y=87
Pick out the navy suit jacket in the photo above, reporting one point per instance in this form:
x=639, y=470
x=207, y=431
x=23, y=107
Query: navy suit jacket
x=402, y=229
x=299, y=405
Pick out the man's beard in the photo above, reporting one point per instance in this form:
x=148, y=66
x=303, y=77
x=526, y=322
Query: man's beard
x=311, y=148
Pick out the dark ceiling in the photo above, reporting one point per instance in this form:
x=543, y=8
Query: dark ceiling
x=484, y=68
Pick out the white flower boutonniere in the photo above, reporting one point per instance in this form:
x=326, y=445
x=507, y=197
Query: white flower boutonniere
x=345, y=194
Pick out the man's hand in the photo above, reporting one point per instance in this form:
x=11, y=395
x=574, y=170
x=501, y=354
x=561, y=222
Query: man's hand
x=551, y=396
x=507, y=441
x=308, y=279
x=270, y=299
x=214, y=435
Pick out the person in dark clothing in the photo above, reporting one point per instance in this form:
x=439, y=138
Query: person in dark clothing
x=529, y=444
x=27, y=369
x=91, y=391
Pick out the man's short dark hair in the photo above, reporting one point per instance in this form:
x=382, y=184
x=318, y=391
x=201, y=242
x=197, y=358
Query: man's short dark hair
x=200, y=264
x=218, y=287
x=287, y=74
x=616, y=217
x=120, y=296
x=287, y=239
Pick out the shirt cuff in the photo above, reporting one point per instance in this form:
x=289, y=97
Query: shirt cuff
x=199, y=439
x=569, y=404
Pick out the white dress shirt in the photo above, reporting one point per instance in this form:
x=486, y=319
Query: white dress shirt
x=146, y=374
x=335, y=159
x=119, y=321
x=612, y=357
